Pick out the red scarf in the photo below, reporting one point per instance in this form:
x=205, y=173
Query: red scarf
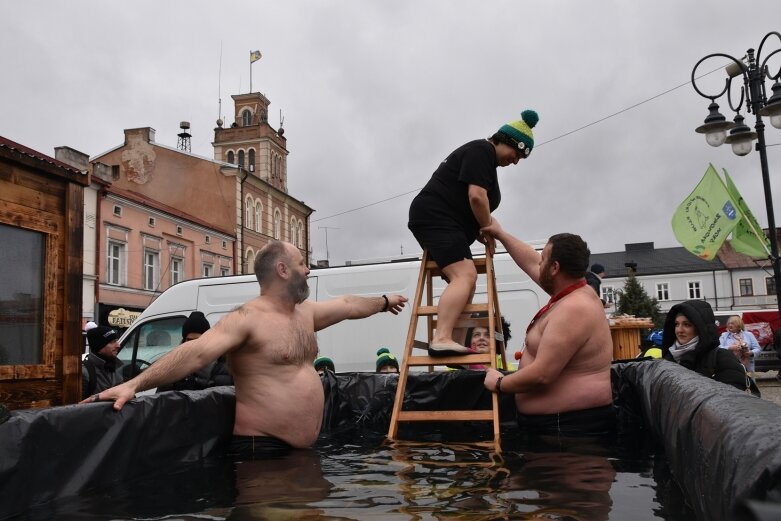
x=555, y=298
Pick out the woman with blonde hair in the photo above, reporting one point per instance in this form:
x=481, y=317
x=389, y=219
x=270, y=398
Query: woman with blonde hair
x=742, y=343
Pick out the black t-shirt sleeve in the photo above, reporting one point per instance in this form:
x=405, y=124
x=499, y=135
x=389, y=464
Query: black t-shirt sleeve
x=478, y=167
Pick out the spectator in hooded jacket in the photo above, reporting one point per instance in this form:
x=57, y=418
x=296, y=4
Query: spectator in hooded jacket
x=213, y=374
x=100, y=369
x=691, y=339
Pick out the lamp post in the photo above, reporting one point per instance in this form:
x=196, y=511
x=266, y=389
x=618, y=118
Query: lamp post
x=752, y=70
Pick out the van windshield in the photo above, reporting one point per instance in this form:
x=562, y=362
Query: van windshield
x=149, y=342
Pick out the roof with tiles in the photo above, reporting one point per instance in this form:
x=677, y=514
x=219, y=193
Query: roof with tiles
x=21, y=149
x=653, y=261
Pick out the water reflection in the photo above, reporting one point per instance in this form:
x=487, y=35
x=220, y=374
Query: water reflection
x=364, y=477
x=573, y=486
x=280, y=488
x=459, y=481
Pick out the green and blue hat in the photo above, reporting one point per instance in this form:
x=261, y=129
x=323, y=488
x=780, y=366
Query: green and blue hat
x=519, y=134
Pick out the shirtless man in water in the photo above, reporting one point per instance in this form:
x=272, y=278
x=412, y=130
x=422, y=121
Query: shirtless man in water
x=270, y=344
x=563, y=380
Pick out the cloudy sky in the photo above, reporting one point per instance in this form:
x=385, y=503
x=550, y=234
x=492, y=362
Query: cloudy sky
x=374, y=94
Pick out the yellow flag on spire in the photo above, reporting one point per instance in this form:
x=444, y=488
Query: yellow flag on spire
x=254, y=56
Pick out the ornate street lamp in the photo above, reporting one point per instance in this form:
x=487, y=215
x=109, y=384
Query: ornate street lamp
x=752, y=70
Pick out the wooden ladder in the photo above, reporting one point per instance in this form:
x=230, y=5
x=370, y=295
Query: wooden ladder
x=429, y=270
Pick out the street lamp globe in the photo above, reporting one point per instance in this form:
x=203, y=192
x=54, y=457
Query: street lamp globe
x=741, y=137
x=715, y=126
x=772, y=108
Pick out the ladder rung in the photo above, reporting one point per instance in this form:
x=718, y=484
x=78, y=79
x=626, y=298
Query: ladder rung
x=443, y=416
x=432, y=267
x=479, y=358
x=433, y=310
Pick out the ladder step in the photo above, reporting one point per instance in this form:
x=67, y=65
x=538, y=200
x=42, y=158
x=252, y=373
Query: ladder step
x=433, y=310
x=432, y=267
x=443, y=416
x=479, y=358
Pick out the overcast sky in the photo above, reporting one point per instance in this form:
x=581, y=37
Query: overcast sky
x=374, y=94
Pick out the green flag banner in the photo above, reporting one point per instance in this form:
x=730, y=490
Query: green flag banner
x=747, y=237
x=706, y=217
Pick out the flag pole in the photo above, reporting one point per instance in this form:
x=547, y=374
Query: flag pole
x=250, y=72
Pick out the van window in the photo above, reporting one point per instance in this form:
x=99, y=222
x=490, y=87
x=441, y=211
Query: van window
x=148, y=342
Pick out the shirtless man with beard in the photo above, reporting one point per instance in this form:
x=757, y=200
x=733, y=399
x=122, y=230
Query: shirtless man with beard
x=562, y=385
x=270, y=344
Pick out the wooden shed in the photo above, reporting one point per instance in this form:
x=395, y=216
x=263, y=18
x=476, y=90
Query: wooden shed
x=41, y=237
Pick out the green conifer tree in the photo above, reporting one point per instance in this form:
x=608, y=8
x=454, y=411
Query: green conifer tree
x=633, y=300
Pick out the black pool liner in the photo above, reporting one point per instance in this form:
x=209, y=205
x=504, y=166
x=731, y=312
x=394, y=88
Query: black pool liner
x=723, y=446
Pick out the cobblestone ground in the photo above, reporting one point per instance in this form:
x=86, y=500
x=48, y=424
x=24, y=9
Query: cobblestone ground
x=769, y=386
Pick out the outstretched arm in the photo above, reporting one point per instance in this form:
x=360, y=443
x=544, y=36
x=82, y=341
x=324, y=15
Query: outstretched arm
x=524, y=255
x=182, y=361
x=351, y=307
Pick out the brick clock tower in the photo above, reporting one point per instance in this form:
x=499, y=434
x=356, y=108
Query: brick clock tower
x=264, y=209
x=251, y=142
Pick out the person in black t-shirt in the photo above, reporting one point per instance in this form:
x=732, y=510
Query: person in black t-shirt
x=447, y=214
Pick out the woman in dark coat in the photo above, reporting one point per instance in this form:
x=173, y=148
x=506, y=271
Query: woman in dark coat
x=691, y=339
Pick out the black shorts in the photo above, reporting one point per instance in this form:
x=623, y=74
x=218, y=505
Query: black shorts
x=598, y=421
x=257, y=447
x=445, y=246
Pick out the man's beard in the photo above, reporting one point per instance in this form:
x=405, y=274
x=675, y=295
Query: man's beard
x=546, y=281
x=298, y=288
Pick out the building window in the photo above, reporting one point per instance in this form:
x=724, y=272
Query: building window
x=662, y=291
x=248, y=212
x=224, y=272
x=251, y=164
x=241, y=158
x=294, y=232
x=608, y=294
x=224, y=245
x=207, y=239
x=694, y=289
x=277, y=225
x=770, y=286
x=746, y=287
x=115, y=268
x=152, y=222
x=151, y=268
x=246, y=118
x=231, y=157
x=22, y=280
x=208, y=269
x=179, y=231
x=177, y=270
x=115, y=172
x=250, y=261
x=117, y=211
x=258, y=213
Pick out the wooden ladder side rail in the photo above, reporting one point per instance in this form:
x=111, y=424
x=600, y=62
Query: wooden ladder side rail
x=428, y=270
x=423, y=276
x=493, y=314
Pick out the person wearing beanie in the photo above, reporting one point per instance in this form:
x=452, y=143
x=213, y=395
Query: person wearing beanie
x=212, y=374
x=448, y=213
x=594, y=279
x=323, y=363
x=100, y=369
x=386, y=362
x=195, y=325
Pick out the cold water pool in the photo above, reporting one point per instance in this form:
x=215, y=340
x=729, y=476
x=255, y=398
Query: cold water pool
x=364, y=477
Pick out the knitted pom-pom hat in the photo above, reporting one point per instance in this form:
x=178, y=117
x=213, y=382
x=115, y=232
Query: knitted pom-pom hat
x=519, y=133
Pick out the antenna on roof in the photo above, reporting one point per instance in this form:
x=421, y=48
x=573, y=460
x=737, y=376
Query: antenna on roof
x=184, y=136
x=219, y=90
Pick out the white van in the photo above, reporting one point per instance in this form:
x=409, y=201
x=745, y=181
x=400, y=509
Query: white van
x=351, y=344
